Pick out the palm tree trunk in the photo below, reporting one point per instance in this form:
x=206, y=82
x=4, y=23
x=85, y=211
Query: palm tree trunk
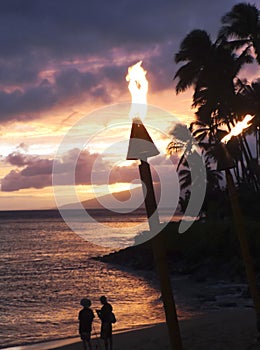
x=251, y=176
x=247, y=147
x=257, y=144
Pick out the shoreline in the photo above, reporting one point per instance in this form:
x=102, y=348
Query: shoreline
x=215, y=330
x=57, y=343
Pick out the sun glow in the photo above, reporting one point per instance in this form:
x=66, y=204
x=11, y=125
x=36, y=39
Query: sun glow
x=238, y=128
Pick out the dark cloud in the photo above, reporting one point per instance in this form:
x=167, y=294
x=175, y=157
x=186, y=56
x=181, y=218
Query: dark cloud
x=82, y=27
x=90, y=168
x=20, y=69
x=18, y=159
x=69, y=29
x=72, y=82
x=38, y=167
x=43, y=36
x=37, y=172
x=18, y=103
x=90, y=27
x=69, y=85
x=15, y=181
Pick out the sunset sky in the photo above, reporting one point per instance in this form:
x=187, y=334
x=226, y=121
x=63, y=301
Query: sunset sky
x=60, y=61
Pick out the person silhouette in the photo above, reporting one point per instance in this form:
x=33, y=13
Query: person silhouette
x=86, y=317
x=107, y=318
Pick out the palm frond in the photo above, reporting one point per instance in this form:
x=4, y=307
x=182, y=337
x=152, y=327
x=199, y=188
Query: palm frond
x=194, y=46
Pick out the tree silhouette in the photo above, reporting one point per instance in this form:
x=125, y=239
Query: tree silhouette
x=243, y=23
x=212, y=70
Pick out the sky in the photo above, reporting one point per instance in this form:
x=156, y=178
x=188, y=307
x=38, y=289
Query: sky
x=62, y=62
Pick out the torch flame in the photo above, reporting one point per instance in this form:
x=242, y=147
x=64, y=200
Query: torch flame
x=238, y=128
x=138, y=87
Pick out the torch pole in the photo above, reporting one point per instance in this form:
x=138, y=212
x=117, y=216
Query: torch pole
x=245, y=252
x=160, y=257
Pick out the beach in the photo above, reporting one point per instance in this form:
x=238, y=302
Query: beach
x=216, y=330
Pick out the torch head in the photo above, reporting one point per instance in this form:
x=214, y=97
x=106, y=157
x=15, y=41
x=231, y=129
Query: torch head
x=224, y=159
x=141, y=145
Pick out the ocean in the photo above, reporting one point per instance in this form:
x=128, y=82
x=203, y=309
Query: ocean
x=45, y=270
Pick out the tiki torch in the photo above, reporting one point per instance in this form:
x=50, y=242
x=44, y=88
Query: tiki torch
x=141, y=147
x=226, y=163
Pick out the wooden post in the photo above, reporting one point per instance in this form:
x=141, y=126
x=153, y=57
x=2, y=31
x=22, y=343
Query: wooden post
x=160, y=257
x=245, y=252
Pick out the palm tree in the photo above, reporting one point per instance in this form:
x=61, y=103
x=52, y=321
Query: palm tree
x=243, y=23
x=194, y=49
x=250, y=103
x=184, y=201
x=185, y=176
x=212, y=70
x=213, y=189
x=213, y=176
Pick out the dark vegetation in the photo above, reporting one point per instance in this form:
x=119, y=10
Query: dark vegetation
x=221, y=98
x=207, y=250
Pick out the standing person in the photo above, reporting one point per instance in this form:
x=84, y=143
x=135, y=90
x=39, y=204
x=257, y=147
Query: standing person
x=107, y=318
x=86, y=317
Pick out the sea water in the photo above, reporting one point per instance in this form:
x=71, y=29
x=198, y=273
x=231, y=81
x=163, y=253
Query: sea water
x=45, y=270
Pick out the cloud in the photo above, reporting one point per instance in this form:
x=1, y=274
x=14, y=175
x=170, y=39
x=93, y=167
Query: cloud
x=22, y=146
x=91, y=169
x=36, y=172
x=18, y=159
x=69, y=85
x=17, y=104
x=15, y=181
x=38, y=167
x=65, y=43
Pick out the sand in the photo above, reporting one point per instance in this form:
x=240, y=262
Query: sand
x=216, y=330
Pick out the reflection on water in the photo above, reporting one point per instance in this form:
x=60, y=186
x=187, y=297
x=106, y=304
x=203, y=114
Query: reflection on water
x=45, y=269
